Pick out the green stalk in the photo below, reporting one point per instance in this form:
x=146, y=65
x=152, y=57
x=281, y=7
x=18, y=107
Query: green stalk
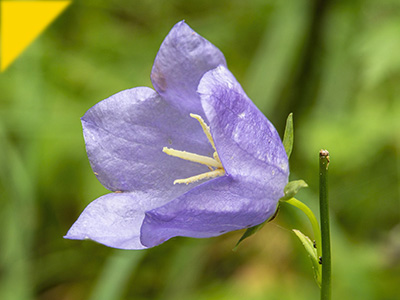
x=325, y=232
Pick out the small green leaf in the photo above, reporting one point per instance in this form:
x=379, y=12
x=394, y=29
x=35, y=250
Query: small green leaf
x=249, y=232
x=288, y=135
x=312, y=253
x=252, y=230
x=292, y=188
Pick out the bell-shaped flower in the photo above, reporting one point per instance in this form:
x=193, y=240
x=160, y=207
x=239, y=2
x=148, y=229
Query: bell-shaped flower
x=193, y=158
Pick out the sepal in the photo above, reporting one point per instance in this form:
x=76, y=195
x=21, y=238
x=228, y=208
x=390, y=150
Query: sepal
x=292, y=188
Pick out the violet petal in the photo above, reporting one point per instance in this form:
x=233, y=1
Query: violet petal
x=114, y=220
x=247, y=143
x=183, y=58
x=210, y=209
x=125, y=135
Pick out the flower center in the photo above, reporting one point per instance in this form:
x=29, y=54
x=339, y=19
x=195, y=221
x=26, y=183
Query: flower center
x=214, y=164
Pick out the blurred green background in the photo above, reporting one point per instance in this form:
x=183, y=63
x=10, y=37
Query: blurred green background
x=335, y=64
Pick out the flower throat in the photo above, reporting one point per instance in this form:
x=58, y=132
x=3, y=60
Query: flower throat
x=214, y=164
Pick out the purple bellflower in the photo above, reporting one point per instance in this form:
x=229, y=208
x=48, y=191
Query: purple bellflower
x=193, y=158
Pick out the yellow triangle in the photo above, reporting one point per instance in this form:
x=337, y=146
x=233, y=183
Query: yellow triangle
x=22, y=22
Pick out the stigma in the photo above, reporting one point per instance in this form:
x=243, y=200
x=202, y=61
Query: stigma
x=213, y=163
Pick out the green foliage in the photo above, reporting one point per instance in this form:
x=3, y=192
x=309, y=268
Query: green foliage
x=288, y=136
x=248, y=233
x=253, y=230
x=116, y=274
x=312, y=253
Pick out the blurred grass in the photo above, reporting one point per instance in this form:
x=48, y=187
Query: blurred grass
x=115, y=275
x=335, y=64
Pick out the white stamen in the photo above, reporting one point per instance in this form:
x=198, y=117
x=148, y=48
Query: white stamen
x=205, y=160
x=211, y=163
x=212, y=174
x=216, y=157
x=206, y=129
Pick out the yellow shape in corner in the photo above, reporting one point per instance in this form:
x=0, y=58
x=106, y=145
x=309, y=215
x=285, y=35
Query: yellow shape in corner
x=22, y=22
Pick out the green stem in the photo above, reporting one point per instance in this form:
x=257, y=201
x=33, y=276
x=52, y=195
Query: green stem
x=325, y=232
x=313, y=220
